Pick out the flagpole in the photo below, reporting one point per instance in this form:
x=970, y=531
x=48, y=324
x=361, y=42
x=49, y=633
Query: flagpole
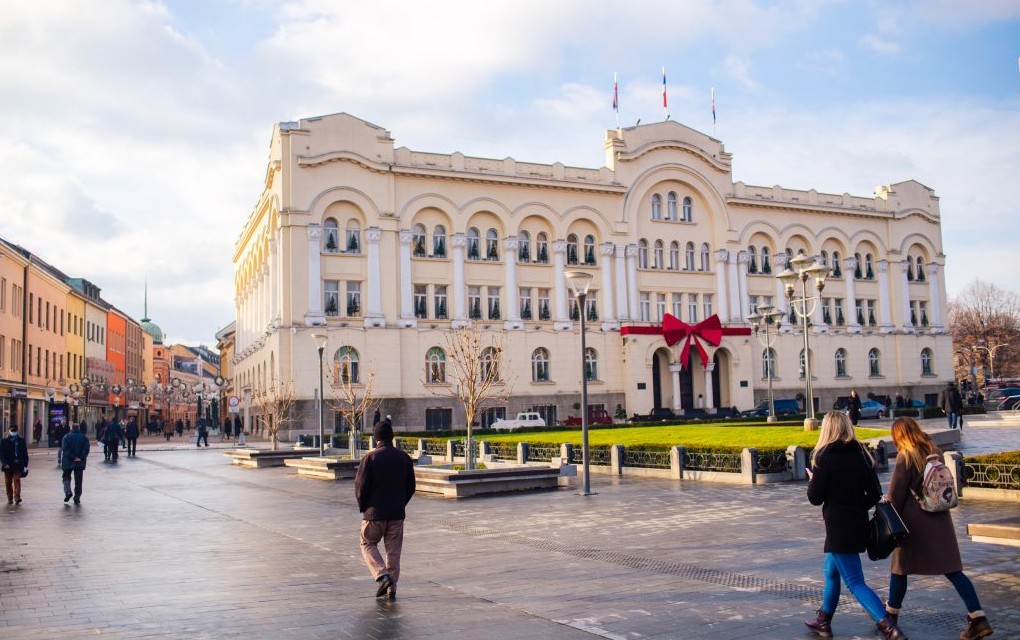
x=713, y=112
x=665, y=101
x=616, y=100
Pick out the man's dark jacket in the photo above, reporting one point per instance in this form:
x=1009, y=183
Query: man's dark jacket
x=74, y=450
x=13, y=453
x=384, y=483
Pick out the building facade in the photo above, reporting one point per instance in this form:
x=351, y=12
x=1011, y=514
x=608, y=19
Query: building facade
x=383, y=250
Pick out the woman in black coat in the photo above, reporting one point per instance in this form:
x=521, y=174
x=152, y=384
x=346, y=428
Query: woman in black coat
x=853, y=407
x=843, y=481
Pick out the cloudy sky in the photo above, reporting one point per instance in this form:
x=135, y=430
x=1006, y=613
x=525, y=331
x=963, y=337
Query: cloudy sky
x=134, y=134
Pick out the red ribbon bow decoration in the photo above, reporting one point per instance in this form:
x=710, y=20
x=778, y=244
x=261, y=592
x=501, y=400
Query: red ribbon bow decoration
x=674, y=330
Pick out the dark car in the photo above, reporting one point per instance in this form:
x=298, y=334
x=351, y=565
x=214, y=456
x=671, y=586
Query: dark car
x=659, y=414
x=783, y=406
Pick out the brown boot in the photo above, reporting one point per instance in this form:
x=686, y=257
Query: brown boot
x=889, y=629
x=822, y=625
x=976, y=628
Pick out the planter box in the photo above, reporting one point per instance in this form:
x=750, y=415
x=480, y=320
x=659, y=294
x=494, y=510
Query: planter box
x=462, y=484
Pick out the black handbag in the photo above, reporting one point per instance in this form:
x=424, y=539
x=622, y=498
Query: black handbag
x=886, y=531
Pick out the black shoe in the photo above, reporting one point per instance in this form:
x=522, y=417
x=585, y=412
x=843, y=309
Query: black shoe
x=17, y=500
x=385, y=584
x=67, y=496
x=77, y=500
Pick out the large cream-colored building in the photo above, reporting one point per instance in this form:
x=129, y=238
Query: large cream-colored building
x=385, y=249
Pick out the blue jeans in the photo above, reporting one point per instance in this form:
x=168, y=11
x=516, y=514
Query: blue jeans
x=963, y=585
x=848, y=567
x=953, y=418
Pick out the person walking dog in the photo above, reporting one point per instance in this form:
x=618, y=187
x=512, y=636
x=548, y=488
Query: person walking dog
x=842, y=480
x=75, y=451
x=931, y=548
x=383, y=486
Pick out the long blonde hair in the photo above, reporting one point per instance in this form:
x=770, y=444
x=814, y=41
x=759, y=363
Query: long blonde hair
x=911, y=442
x=836, y=426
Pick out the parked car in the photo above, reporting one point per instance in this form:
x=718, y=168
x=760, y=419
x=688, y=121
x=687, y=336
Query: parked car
x=595, y=416
x=873, y=409
x=783, y=406
x=523, y=419
x=660, y=414
x=1004, y=398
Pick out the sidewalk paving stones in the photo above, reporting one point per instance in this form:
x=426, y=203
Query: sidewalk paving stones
x=178, y=543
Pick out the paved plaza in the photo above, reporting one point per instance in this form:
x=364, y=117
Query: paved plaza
x=177, y=543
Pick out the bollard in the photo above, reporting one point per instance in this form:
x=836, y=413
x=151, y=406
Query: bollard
x=749, y=465
x=676, y=463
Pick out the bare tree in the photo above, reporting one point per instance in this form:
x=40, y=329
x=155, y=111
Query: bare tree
x=472, y=371
x=350, y=395
x=276, y=402
x=984, y=322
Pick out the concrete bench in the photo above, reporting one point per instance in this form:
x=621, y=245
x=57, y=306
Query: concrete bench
x=259, y=458
x=324, y=468
x=462, y=484
x=1005, y=531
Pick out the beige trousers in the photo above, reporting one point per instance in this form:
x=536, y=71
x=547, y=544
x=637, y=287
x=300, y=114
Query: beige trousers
x=391, y=534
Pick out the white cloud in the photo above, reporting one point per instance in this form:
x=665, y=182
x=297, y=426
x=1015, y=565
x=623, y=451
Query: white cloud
x=879, y=45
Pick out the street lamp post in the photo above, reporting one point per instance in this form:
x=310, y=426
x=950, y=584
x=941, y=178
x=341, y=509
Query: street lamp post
x=803, y=268
x=760, y=321
x=991, y=358
x=579, y=281
x=322, y=339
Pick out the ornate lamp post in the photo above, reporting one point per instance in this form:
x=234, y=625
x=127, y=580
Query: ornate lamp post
x=991, y=358
x=803, y=268
x=321, y=339
x=765, y=317
x=579, y=281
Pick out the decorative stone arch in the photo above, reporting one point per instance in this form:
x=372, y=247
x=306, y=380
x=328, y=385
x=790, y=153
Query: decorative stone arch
x=644, y=184
x=585, y=215
x=325, y=199
x=915, y=239
x=407, y=211
x=866, y=236
x=473, y=209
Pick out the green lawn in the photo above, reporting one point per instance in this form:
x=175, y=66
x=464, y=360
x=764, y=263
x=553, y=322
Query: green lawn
x=760, y=437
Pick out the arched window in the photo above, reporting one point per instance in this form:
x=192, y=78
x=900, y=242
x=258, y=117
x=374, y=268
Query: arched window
x=490, y=365
x=353, y=237
x=920, y=270
x=689, y=257
x=752, y=259
x=768, y=364
x=656, y=207
x=674, y=256
x=542, y=248
x=824, y=258
x=571, y=249
x=491, y=245
x=706, y=257
x=766, y=266
x=926, y=364
x=869, y=271
x=589, y=250
x=345, y=365
x=330, y=236
x=540, y=365
x=439, y=241
x=591, y=364
x=418, y=241
x=858, y=274
x=874, y=366
x=840, y=363
x=657, y=256
x=837, y=268
x=801, y=364
x=523, y=247
x=642, y=254
x=435, y=366
x=671, y=206
x=473, y=248
x=688, y=209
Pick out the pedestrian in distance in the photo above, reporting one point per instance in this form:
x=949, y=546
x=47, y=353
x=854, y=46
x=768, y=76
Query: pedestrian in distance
x=931, y=548
x=201, y=433
x=112, y=437
x=383, y=486
x=853, y=407
x=14, y=463
x=179, y=427
x=842, y=480
x=168, y=430
x=225, y=436
x=376, y=417
x=37, y=431
x=952, y=404
x=131, y=437
x=75, y=447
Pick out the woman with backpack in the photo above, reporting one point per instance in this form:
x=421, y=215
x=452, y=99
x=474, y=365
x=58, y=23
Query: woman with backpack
x=931, y=548
x=842, y=479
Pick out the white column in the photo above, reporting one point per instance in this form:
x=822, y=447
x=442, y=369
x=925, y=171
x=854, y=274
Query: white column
x=407, y=318
x=745, y=302
x=314, y=316
x=886, y=324
x=513, y=296
x=675, y=369
x=606, y=252
x=458, y=244
x=561, y=314
x=734, y=288
x=632, y=290
x=935, y=297
x=274, y=281
x=709, y=393
x=621, y=283
x=849, y=267
x=781, y=260
x=722, y=259
x=905, y=298
x=374, y=317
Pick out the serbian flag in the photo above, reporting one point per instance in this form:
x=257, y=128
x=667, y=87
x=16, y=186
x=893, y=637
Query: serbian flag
x=713, y=106
x=616, y=95
x=665, y=102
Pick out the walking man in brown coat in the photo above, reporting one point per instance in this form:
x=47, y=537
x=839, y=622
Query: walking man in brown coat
x=383, y=486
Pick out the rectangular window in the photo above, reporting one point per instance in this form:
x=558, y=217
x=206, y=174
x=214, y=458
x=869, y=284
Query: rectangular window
x=3, y=351
x=353, y=299
x=331, y=298
x=17, y=300
x=660, y=306
x=692, y=307
x=46, y=363
x=524, y=302
x=678, y=306
x=441, y=302
x=3, y=300
x=706, y=303
x=752, y=303
x=353, y=240
x=475, y=303
x=543, y=305
x=421, y=294
x=840, y=318
x=872, y=318
x=493, y=306
x=592, y=304
x=646, y=307
x=31, y=306
x=923, y=307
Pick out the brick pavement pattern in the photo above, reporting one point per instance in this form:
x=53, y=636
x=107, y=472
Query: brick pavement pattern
x=181, y=544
